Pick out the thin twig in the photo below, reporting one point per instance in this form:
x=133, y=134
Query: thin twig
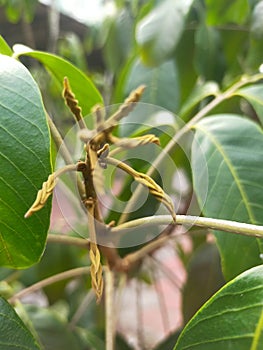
x=146, y=181
x=67, y=240
x=215, y=224
x=60, y=144
x=110, y=319
x=131, y=259
x=79, y=271
x=128, y=105
x=62, y=148
x=173, y=142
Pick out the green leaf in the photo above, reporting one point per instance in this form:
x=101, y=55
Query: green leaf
x=254, y=95
x=254, y=53
x=225, y=11
x=162, y=85
x=13, y=333
x=52, y=328
x=184, y=55
x=208, y=59
x=25, y=165
x=234, y=42
x=232, y=319
x=204, y=278
x=168, y=342
x=232, y=147
x=5, y=49
x=256, y=21
x=159, y=32
x=199, y=93
x=119, y=40
x=83, y=88
x=13, y=10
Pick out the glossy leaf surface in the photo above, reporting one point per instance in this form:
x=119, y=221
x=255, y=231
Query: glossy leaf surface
x=84, y=90
x=25, y=165
x=232, y=147
x=231, y=319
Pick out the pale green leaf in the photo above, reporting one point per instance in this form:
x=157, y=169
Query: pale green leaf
x=83, y=88
x=5, y=49
x=160, y=30
x=232, y=147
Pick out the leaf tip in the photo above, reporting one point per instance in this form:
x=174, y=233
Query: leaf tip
x=28, y=214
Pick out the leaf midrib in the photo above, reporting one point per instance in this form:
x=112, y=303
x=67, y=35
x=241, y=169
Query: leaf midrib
x=258, y=331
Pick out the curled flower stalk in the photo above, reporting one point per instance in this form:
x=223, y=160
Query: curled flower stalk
x=97, y=143
x=148, y=182
x=47, y=189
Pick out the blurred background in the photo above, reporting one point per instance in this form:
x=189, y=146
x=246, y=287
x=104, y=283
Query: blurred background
x=193, y=55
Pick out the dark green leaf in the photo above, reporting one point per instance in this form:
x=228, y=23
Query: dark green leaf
x=231, y=319
x=55, y=259
x=159, y=32
x=5, y=49
x=25, y=165
x=204, y=278
x=84, y=90
x=209, y=60
x=232, y=147
x=52, y=329
x=184, y=57
x=225, y=11
x=234, y=42
x=13, y=333
x=168, y=343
